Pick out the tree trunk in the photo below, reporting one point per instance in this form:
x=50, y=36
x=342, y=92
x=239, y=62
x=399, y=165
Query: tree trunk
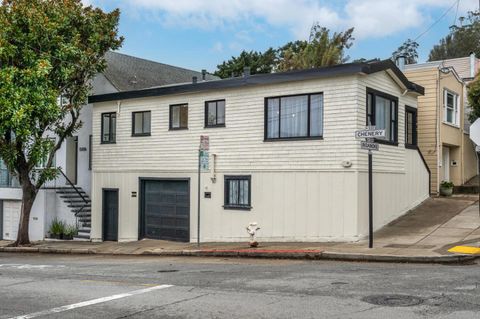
x=28, y=198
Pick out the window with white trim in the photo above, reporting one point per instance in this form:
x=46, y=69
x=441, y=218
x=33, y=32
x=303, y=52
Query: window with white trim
x=451, y=108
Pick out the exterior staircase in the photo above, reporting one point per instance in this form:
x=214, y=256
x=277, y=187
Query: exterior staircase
x=80, y=205
x=470, y=187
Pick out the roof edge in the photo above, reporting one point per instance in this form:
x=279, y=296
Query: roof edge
x=259, y=79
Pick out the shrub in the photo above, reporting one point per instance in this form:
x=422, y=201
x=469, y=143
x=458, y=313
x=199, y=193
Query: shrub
x=57, y=227
x=446, y=184
x=70, y=230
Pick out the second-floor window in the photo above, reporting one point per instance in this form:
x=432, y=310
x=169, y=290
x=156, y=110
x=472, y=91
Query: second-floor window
x=109, y=127
x=178, y=116
x=410, y=127
x=299, y=116
x=141, y=123
x=382, y=112
x=215, y=113
x=451, y=108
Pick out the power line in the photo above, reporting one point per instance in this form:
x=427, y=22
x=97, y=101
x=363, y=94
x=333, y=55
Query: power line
x=438, y=20
x=456, y=13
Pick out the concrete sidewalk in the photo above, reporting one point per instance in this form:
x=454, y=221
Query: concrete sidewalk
x=423, y=235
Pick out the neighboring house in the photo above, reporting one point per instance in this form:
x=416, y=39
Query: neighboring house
x=282, y=154
x=69, y=201
x=443, y=120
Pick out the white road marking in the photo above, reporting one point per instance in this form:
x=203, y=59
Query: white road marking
x=27, y=266
x=90, y=302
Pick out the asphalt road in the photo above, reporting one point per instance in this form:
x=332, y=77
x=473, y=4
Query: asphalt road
x=63, y=286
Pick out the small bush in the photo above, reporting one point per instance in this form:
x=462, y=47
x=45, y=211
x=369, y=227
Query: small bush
x=57, y=227
x=70, y=231
x=446, y=184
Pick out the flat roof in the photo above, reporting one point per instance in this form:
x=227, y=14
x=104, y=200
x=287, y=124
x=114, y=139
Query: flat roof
x=262, y=79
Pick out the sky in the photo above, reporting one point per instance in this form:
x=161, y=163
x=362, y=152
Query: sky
x=200, y=34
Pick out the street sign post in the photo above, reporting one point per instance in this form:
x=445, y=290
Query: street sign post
x=475, y=137
x=369, y=134
x=203, y=165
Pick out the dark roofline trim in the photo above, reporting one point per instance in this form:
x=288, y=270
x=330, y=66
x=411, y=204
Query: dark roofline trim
x=258, y=79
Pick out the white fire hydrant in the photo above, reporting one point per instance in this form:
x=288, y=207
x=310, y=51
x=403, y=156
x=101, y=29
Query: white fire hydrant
x=252, y=229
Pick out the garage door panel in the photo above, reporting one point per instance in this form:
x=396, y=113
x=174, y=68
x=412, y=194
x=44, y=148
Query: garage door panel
x=166, y=205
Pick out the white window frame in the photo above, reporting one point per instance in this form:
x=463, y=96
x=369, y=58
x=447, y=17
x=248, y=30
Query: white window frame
x=455, y=109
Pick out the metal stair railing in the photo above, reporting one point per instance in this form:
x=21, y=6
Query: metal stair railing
x=59, y=182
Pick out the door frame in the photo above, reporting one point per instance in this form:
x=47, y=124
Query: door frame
x=141, y=197
x=103, y=209
x=446, y=164
x=76, y=159
x=1, y=219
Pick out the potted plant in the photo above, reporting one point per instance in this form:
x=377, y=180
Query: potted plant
x=446, y=188
x=57, y=228
x=70, y=231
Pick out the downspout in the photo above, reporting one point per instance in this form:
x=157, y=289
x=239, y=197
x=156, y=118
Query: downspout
x=438, y=145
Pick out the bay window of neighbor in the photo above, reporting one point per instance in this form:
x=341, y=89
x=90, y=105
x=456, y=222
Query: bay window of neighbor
x=451, y=108
x=299, y=116
x=382, y=112
x=178, y=116
x=215, y=113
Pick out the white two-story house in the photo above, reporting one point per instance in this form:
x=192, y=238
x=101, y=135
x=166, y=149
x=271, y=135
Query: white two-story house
x=282, y=153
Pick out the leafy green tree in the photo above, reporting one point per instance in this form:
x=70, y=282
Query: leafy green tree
x=474, y=99
x=48, y=49
x=320, y=50
x=257, y=61
x=409, y=50
x=461, y=41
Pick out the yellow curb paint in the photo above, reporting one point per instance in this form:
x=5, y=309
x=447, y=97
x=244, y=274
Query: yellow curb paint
x=465, y=250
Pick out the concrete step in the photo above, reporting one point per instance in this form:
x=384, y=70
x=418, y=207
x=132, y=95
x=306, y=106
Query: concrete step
x=74, y=196
x=466, y=189
x=77, y=200
x=78, y=205
x=82, y=237
x=70, y=191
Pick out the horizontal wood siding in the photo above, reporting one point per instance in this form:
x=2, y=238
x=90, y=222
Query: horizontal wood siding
x=240, y=145
x=428, y=113
x=389, y=158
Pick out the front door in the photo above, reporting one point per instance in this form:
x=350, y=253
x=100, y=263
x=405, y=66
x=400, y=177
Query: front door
x=72, y=159
x=446, y=163
x=165, y=210
x=110, y=214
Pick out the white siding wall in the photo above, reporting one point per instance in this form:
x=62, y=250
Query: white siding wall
x=300, y=191
x=240, y=144
x=288, y=206
x=11, y=217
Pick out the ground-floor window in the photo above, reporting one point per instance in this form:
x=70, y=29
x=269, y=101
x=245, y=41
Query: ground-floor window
x=238, y=192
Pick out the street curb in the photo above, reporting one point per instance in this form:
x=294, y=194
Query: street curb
x=270, y=254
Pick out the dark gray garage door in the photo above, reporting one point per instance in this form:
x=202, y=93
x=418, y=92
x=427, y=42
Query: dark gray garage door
x=165, y=209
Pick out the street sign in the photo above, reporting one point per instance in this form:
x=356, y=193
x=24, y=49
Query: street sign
x=366, y=145
x=204, y=143
x=475, y=132
x=369, y=133
x=204, y=161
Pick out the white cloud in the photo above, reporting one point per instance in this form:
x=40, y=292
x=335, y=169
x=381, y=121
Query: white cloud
x=371, y=18
x=217, y=47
